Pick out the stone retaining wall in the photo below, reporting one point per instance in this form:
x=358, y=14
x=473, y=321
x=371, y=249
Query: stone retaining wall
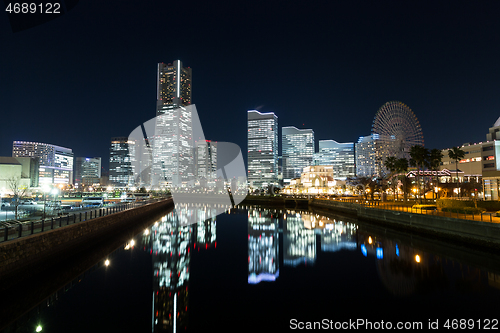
x=19, y=253
x=484, y=234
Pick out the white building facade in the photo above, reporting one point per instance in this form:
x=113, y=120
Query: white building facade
x=297, y=151
x=262, y=149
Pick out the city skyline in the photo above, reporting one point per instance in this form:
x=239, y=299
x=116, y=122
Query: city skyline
x=353, y=58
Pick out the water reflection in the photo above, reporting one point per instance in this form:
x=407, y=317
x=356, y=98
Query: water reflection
x=263, y=246
x=397, y=264
x=170, y=242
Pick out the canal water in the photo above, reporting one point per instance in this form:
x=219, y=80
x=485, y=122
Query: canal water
x=271, y=270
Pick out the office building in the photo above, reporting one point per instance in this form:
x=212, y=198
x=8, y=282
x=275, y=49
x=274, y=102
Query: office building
x=371, y=152
x=297, y=151
x=173, y=144
x=206, y=160
x=121, y=162
x=173, y=86
x=339, y=155
x=55, y=162
x=262, y=149
x=87, y=171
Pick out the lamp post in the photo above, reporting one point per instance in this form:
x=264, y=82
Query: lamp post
x=54, y=192
x=45, y=190
x=1, y=196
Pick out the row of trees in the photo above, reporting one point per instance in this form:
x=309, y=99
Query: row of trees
x=423, y=159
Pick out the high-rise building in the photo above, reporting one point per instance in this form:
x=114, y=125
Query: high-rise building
x=297, y=147
x=55, y=163
x=87, y=171
x=173, y=146
x=206, y=159
x=121, y=166
x=371, y=152
x=262, y=149
x=338, y=155
x=173, y=86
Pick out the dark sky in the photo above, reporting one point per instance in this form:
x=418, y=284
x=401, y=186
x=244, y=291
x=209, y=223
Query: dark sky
x=89, y=75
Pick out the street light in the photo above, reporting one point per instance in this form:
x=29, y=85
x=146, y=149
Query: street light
x=45, y=189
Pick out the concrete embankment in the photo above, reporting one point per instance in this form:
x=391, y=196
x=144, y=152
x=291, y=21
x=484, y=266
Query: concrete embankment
x=21, y=253
x=482, y=234
x=251, y=200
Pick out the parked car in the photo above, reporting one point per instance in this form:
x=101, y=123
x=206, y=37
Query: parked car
x=5, y=204
x=27, y=202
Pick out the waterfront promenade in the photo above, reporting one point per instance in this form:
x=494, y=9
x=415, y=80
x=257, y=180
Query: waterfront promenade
x=409, y=208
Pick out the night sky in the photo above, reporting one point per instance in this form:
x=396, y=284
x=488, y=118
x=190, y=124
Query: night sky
x=90, y=74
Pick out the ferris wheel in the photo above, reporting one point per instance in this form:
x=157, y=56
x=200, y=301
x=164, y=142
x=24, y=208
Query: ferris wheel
x=396, y=122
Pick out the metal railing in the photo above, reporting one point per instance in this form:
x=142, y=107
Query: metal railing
x=17, y=229
x=484, y=217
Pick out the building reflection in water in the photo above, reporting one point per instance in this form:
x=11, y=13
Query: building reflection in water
x=170, y=242
x=299, y=242
x=263, y=246
x=335, y=235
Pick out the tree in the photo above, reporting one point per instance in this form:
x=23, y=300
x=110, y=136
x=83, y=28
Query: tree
x=419, y=158
x=368, y=185
x=390, y=164
x=18, y=190
x=456, y=154
x=402, y=167
x=435, y=158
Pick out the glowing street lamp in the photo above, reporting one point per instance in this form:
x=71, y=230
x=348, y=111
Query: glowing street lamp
x=45, y=189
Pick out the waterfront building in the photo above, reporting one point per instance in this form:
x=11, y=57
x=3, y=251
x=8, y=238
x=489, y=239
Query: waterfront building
x=262, y=149
x=121, y=162
x=480, y=163
x=87, y=171
x=315, y=179
x=371, y=152
x=339, y=155
x=297, y=146
x=469, y=168
x=55, y=162
x=173, y=146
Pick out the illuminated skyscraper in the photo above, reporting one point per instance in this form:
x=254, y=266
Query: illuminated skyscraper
x=173, y=148
x=173, y=86
x=87, y=170
x=371, y=152
x=206, y=159
x=297, y=151
x=56, y=163
x=339, y=155
x=262, y=149
x=121, y=168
